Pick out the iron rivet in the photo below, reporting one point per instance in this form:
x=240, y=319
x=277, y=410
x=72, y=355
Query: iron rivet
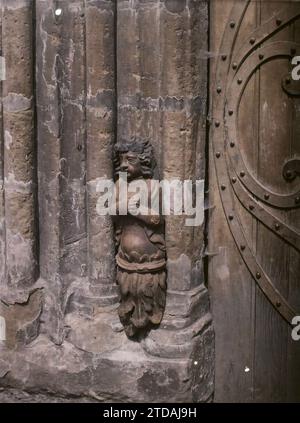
x=293, y=51
x=261, y=56
x=231, y=217
x=243, y=247
x=239, y=81
x=289, y=174
x=219, y=90
x=297, y=200
x=224, y=57
x=218, y=155
x=217, y=123
x=278, y=22
x=251, y=207
x=267, y=196
x=223, y=187
x=234, y=65
x=258, y=275
x=230, y=112
x=79, y=147
x=232, y=144
x=242, y=174
x=233, y=180
x=277, y=226
x=278, y=304
x=252, y=40
x=232, y=24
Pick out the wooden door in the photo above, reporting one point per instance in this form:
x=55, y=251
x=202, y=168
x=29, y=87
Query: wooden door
x=254, y=225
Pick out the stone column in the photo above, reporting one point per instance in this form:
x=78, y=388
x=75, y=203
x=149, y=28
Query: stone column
x=75, y=89
x=98, y=288
x=162, y=95
x=49, y=164
x=61, y=94
x=100, y=121
x=2, y=210
x=19, y=230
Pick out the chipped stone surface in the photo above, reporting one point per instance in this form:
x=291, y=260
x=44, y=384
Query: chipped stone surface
x=17, y=4
x=21, y=396
x=22, y=320
x=16, y=103
x=123, y=374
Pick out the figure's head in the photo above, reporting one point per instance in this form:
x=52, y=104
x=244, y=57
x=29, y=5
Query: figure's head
x=134, y=157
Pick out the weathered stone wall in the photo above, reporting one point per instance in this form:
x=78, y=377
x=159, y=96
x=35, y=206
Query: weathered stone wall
x=79, y=74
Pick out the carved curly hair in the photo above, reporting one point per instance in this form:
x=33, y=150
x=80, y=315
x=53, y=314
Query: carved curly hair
x=144, y=150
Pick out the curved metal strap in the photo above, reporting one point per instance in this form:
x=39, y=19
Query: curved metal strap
x=281, y=229
x=225, y=114
x=241, y=241
x=233, y=96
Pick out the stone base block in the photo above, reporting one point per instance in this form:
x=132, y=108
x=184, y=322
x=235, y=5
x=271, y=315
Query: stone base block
x=97, y=362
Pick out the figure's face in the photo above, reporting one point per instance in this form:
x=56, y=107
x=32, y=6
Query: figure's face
x=130, y=163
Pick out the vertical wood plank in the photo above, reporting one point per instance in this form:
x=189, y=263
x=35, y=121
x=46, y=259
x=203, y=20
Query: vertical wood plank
x=229, y=282
x=248, y=126
x=267, y=128
x=293, y=368
x=272, y=253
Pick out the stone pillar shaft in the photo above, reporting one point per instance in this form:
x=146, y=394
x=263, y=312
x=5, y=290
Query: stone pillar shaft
x=19, y=149
x=100, y=124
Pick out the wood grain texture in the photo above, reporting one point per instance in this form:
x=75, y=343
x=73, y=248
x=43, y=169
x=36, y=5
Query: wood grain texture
x=245, y=322
x=293, y=349
x=229, y=283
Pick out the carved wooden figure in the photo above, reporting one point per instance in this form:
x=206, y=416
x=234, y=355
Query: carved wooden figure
x=141, y=253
